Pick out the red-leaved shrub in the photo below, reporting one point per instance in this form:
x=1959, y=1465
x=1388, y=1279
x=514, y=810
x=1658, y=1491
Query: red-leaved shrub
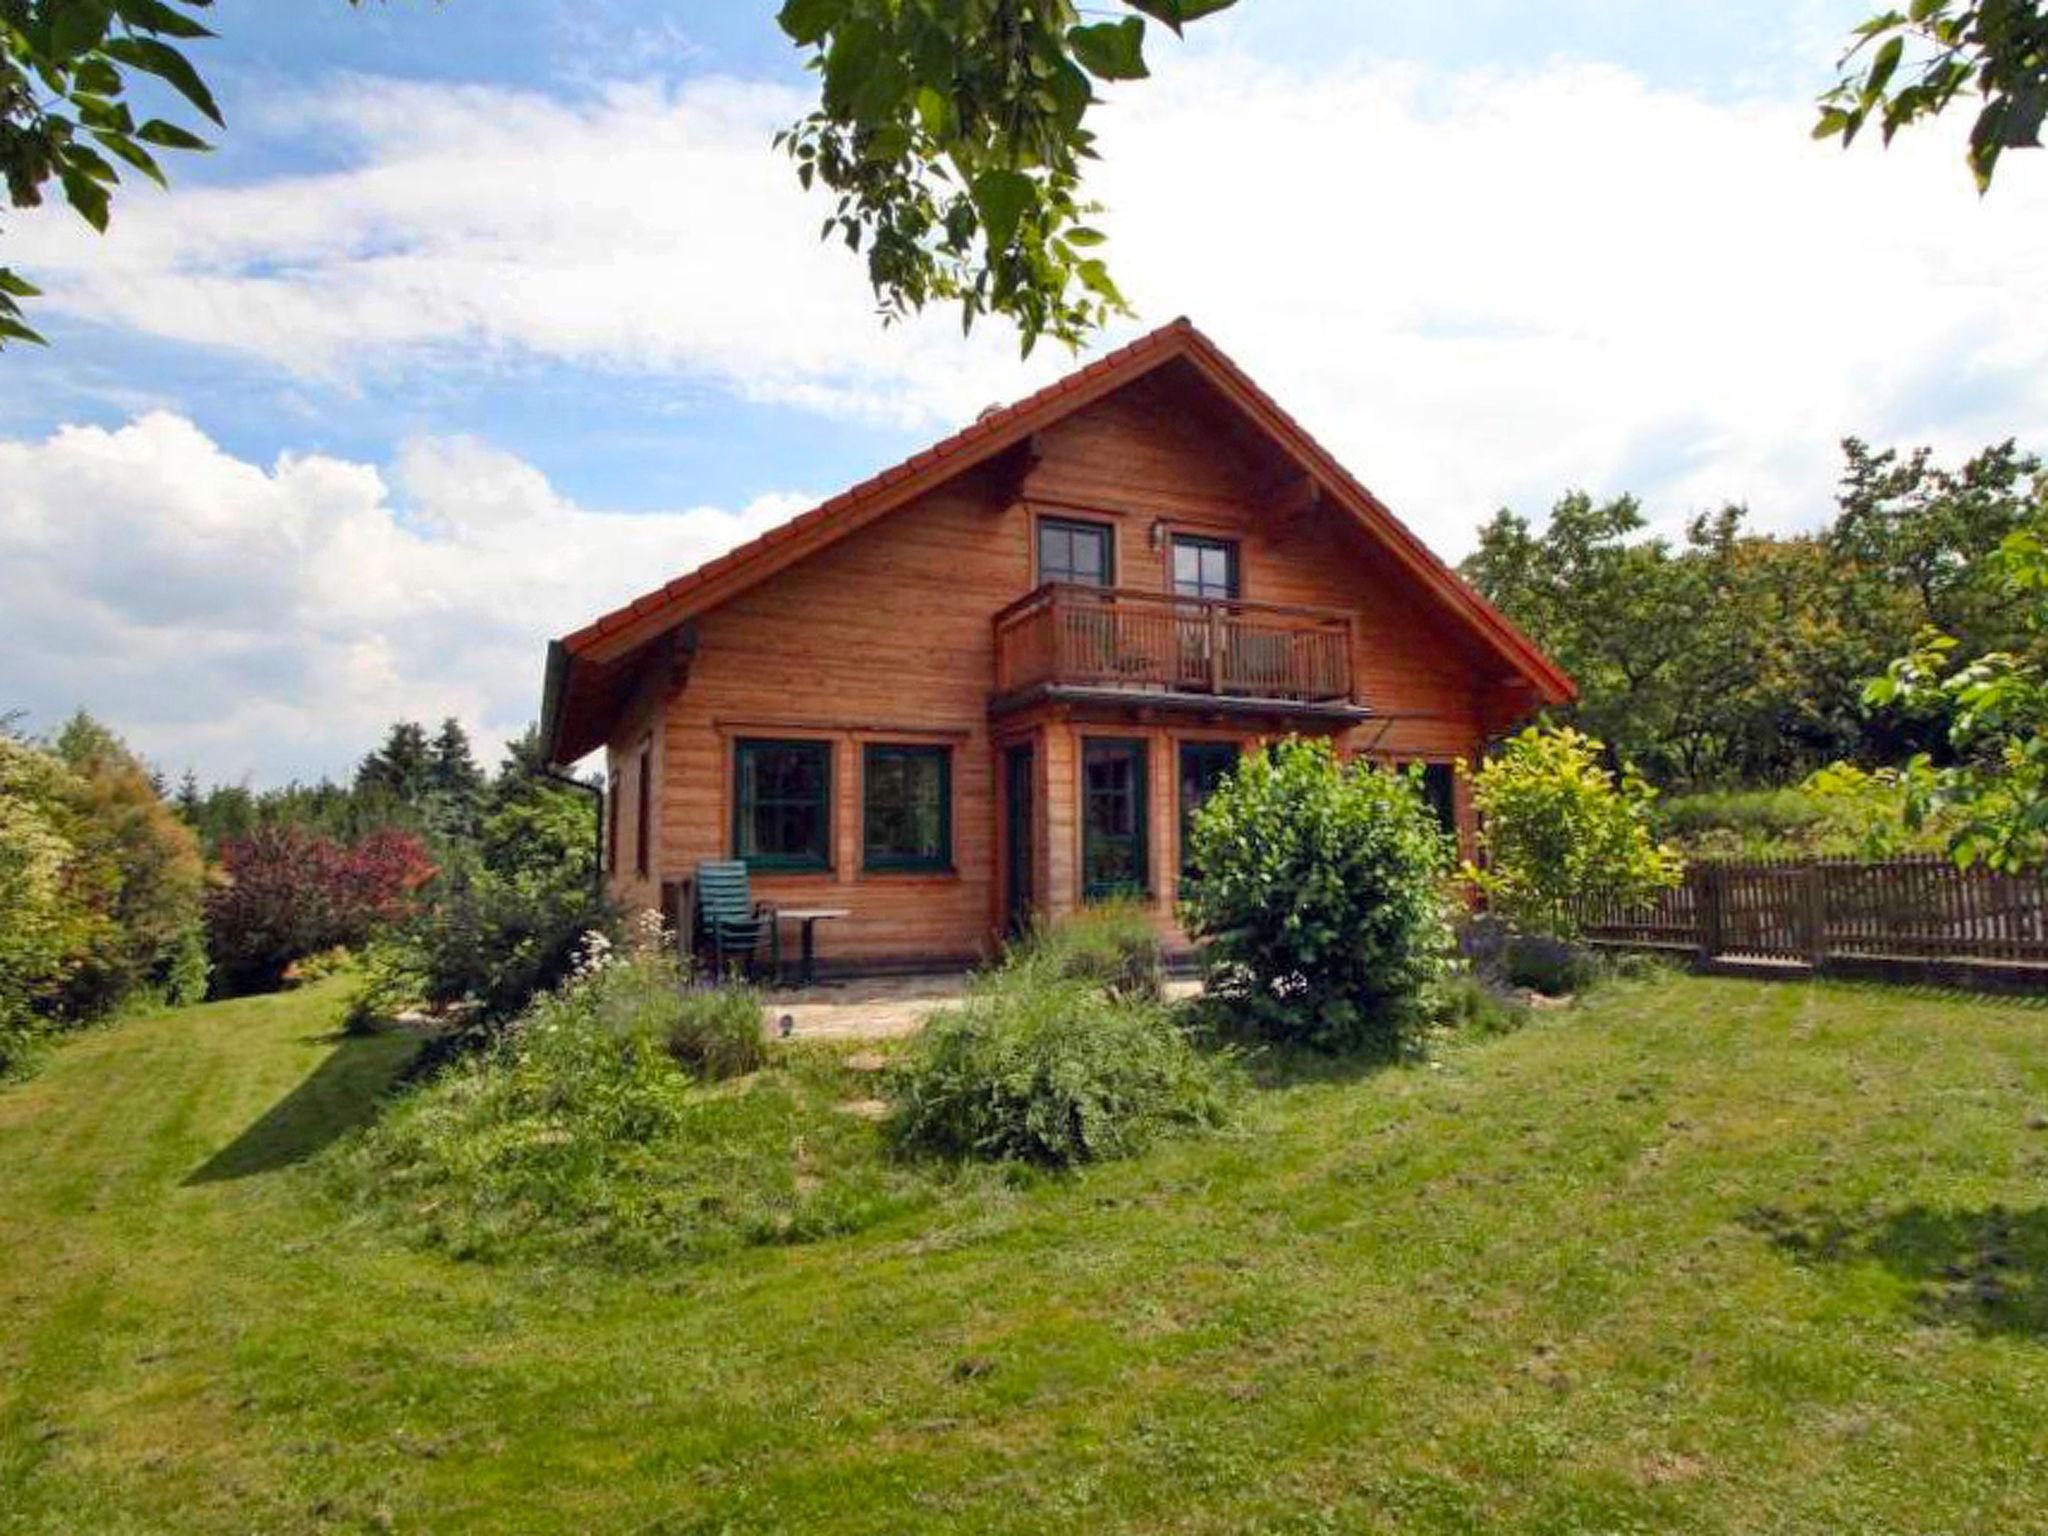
x=285, y=893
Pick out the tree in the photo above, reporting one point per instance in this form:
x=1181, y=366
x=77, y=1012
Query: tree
x=402, y=769
x=45, y=927
x=954, y=134
x=142, y=873
x=1906, y=66
x=1995, y=706
x=1558, y=832
x=65, y=70
x=455, y=784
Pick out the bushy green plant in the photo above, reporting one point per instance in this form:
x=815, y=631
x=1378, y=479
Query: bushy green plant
x=100, y=888
x=504, y=921
x=1112, y=943
x=717, y=1031
x=1321, y=897
x=1839, y=812
x=1557, y=831
x=578, y=1133
x=1464, y=1003
x=1043, y=1068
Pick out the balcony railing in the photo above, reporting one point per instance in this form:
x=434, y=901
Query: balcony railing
x=1151, y=642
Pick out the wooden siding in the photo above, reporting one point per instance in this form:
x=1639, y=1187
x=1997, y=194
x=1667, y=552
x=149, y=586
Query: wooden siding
x=887, y=636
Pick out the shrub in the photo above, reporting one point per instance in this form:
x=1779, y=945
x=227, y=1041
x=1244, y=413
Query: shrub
x=1321, y=897
x=1838, y=812
x=100, y=888
x=578, y=1134
x=1111, y=943
x=1466, y=1004
x=287, y=893
x=504, y=921
x=1045, y=1069
x=717, y=1032
x=1547, y=965
x=138, y=871
x=1557, y=831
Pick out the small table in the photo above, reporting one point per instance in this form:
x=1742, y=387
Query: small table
x=810, y=917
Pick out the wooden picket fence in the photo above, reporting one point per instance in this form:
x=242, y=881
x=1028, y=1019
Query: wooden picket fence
x=1908, y=912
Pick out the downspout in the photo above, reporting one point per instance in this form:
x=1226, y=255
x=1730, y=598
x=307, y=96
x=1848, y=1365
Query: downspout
x=597, y=794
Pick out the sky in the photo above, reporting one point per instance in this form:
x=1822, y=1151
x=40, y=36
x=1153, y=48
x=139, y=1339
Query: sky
x=485, y=317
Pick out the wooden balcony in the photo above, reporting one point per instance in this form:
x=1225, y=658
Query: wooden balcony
x=1117, y=641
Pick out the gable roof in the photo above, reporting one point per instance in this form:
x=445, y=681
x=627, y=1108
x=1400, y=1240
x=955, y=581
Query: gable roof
x=613, y=636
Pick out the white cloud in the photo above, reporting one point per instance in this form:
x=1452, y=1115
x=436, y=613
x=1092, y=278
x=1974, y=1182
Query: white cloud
x=270, y=622
x=1477, y=286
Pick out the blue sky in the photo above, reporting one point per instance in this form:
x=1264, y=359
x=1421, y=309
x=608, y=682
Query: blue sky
x=486, y=316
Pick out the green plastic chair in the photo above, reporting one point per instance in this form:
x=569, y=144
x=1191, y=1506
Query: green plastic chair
x=730, y=922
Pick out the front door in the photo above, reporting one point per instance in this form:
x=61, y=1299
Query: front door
x=1018, y=779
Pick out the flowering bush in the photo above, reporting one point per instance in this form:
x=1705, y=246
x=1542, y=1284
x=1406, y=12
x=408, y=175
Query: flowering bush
x=286, y=893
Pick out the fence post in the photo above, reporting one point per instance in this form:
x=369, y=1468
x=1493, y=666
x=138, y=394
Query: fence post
x=1707, y=899
x=1814, y=909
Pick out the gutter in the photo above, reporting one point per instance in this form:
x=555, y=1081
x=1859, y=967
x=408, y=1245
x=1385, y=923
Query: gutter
x=597, y=794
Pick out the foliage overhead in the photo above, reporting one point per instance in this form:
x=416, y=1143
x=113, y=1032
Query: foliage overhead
x=1908, y=65
x=68, y=85
x=1558, y=831
x=1321, y=896
x=952, y=134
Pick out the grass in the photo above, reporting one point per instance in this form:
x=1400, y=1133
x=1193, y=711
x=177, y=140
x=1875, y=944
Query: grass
x=1697, y=1256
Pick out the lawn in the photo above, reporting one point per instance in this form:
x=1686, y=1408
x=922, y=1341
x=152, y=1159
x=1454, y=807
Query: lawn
x=1699, y=1255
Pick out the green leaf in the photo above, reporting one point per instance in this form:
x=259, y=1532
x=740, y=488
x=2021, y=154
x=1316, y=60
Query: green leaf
x=807, y=21
x=1883, y=67
x=156, y=16
x=127, y=149
x=78, y=27
x=15, y=284
x=168, y=65
x=1177, y=13
x=169, y=136
x=1002, y=196
x=1111, y=50
x=88, y=196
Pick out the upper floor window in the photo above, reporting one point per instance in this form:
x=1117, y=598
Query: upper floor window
x=782, y=804
x=907, y=807
x=1204, y=567
x=1075, y=551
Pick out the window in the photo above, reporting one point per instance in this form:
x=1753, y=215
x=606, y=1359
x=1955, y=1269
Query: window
x=1439, y=795
x=782, y=804
x=643, y=812
x=1079, y=552
x=1204, y=567
x=907, y=807
x=614, y=788
x=1202, y=767
x=1114, y=856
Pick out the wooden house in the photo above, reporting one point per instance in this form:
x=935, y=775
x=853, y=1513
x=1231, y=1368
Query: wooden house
x=995, y=679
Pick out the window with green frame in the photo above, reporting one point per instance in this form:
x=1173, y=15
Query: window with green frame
x=906, y=807
x=782, y=804
x=1115, y=851
x=1203, y=765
